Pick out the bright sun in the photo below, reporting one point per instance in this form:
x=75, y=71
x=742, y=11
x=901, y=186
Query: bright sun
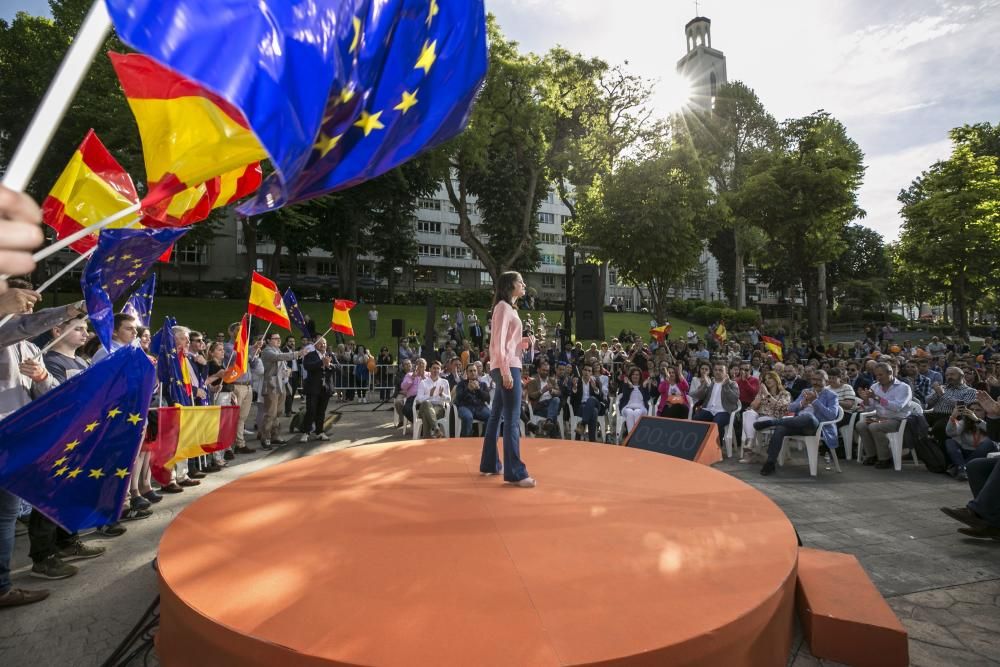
x=674, y=92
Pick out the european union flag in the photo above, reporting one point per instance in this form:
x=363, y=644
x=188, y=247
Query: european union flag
x=70, y=452
x=337, y=91
x=122, y=258
x=171, y=366
x=295, y=313
x=140, y=304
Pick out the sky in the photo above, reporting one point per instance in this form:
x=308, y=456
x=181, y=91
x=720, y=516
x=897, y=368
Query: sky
x=899, y=74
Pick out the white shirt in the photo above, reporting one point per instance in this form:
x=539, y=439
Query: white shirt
x=692, y=336
x=436, y=391
x=714, y=403
x=373, y=315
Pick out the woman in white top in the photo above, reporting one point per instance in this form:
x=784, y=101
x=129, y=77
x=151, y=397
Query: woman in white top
x=634, y=398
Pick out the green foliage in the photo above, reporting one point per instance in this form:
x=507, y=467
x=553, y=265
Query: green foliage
x=647, y=219
x=735, y=319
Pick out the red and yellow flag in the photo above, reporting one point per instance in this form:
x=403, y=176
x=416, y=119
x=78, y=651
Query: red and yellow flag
x=266, y=302
x=241, y=357
x=199, y=151
x=661, y=332
x=773, y=345
x=341, y=321
x=720, y=332
x=184, y=432
x=92, y=187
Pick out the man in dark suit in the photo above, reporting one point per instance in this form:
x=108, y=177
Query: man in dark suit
x=317, y=366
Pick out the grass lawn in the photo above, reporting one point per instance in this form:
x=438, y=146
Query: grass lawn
x=213, y=315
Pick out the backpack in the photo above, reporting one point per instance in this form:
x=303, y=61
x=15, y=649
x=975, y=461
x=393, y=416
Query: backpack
x=931, y=454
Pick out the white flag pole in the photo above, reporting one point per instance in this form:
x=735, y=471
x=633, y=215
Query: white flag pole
x=72, y=71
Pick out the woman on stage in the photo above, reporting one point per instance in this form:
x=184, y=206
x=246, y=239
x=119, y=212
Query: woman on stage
x=506, y=345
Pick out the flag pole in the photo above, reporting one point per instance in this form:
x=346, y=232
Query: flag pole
x=326, y=332
x=266, y=329
x=52, y=343
x=51, y=281
x=50, y=112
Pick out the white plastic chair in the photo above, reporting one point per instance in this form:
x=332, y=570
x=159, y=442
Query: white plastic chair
x=811, y=444
x=847, y=432
x=444, y=423
x=896, y=440
x=730, y=433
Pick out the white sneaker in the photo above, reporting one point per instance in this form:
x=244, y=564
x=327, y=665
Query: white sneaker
x=526, y=483
x=321, y=436
x=304, y=438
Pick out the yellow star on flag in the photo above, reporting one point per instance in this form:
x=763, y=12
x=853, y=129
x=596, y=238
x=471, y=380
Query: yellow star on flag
x=70, y=446
x=357, y=35
x=326, y=144
x=432, y=12
x=427, y=57
x=113, y=412
x=119, y=282
x=127, y=256
x=73, y=473
x=109, y=258
x=59, y=462
x=96, y=473
x=346, y=94
x=133, y=274
x=369, y=122
x=121, y=473
x=409, y=99
x=134, y=418
x=91, y=426
x=62, y=471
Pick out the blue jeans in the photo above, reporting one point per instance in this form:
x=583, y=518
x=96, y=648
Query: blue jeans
x=467, y=415
x=798, y=425
x=959, y=456
x=721, y=420
x=984, y=480
x=10, y=505
x=506, y=406
x=550, y=408
x=588, y=417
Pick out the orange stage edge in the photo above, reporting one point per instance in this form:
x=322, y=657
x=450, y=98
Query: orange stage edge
x=402, y=554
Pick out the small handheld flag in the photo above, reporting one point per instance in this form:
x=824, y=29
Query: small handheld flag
x=122, y=258
x=720, y=332
x=266, y=303
x=140, y=304
x=295, y=313
x=661, y=332
x=341, y=321
x=186, y=432
x=69, y=453
x=773, y=345
x=241, y=352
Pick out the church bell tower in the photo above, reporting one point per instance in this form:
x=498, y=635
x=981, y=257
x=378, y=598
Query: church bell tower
x=702, y=65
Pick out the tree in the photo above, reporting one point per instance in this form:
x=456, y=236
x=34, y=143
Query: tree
x=499, y=158
x=802, y=196
x=730, y=139
x=951, y=220
x=858, y=277
x=647, y=219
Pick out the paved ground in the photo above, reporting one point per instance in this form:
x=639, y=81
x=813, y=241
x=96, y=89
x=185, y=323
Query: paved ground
x=945, y=588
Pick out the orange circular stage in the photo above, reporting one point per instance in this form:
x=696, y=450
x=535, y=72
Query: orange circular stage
x=403, y=554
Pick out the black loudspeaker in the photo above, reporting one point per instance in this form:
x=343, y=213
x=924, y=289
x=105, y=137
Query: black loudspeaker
x=587, y=300
x=398, y=328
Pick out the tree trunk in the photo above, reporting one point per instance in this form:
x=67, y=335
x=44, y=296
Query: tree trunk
x=294, y=258
x=823, y=305
x=812, y=304
x=961, y=314
x=250, y=243
x=740, y=283
x=275, y=267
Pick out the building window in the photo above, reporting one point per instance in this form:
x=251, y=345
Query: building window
x=553, y=260
x=452, y=230
x=485, y=279
x=566, y=219
x=612, y=277
x=424, y=274
x=551, y=197
x=326, y=268
x=428, y=227
x=196, y=254
x=562, y=282
x=457, y=252
x=469, y=208
x=366, y=270
x=452, y=277
x=546, y=218
x=425, y=250
x=548, y=280
x=429, y=204
x=712, y=83
x=555, y=239
x=302, y=267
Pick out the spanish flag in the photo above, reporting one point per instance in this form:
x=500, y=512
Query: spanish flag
x=92, y=187
x=184, y=432
x=241, y=357
x=341, y=322
x=773, y=345
x=194, y=143
x=720, y=332
x=661, y=332
x=266, y=302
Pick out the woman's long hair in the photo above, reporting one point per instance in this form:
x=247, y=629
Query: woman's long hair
x=505, y=288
